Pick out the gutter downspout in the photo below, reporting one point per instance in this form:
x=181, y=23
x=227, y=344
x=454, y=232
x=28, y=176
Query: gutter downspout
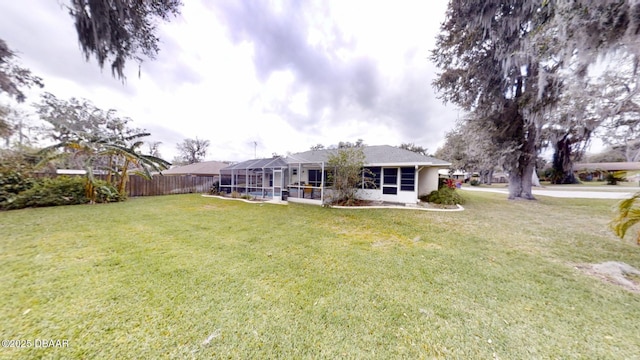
x=418, y=181
x=322, y=184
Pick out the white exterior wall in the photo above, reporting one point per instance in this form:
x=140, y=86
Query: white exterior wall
x=427, y=180
x=369, y=194
x=403, y=197
x=301, y=177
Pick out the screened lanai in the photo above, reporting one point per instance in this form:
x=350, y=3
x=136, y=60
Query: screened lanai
x=307, y=177
x=262, y=178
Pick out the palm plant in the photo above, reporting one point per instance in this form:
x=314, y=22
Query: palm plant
x=118, y=151
x=126, y=158
x=628, y=216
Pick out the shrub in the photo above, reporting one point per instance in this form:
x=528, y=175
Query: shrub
x=107, y=192
x=346, y=172
x=614, y=177
x=443, y=196
x=11, y=184
x=62, y=190
x=446, y=182
x=474, y=182
x=215, y=188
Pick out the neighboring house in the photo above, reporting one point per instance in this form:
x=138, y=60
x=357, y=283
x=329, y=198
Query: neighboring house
x=454, y=174
x=205, y=168
x=599, y=171
x=397, y=175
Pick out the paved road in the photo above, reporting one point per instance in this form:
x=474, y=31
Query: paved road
x=570, y=192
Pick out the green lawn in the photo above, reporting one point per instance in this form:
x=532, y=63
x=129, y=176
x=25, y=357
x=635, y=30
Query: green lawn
x=191, y=277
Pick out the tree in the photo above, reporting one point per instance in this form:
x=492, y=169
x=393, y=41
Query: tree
x=16, y=127
x=348, y=144
x=620, y=95
x=120, y=30
x=509, y=64
x=469, y=147
x=6, y=130
x=346, y=166
x=486, y=73
x=68, y=120
x=606, y=155
x=317, y=147
x=96, y=140
x=122, y=159
x=568, y=130
x=154, y=148
x=13, y=77
x=415, y=148
x=193, y=151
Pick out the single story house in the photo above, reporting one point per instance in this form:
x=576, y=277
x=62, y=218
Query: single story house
x=454, y=174
x=205, y=168
x=599, y=171
x=395, y=175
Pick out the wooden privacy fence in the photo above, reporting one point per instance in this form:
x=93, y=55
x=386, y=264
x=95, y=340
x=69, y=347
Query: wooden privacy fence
x=162, y=185
x=169, y=184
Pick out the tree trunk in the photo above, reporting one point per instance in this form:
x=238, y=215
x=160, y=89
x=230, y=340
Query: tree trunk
x=562, y=163
x=520, y=176
x=123, y=178
x=110, y=169
x=520, y=184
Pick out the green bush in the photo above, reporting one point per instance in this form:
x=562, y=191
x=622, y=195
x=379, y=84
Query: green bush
x=443, y=196
x=613, y=178
x=474, y=182
x=12, y=183
x=107, y=193
x=215, y=188
x=62, y=190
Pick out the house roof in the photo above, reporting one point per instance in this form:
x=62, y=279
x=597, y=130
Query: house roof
x=377, y=155
x=255, y=164
x=607, y=166
x=201, y=168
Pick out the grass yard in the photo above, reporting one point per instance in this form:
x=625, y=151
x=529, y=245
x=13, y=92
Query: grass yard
x=191, y=277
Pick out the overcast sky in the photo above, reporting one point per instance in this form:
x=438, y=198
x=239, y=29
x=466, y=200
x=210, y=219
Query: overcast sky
x=283, y=74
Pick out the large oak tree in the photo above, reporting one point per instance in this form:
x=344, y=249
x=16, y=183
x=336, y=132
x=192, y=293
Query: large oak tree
x=508, y=62
x=119, y=30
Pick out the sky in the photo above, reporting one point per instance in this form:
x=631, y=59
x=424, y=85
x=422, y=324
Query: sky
x=256, y=77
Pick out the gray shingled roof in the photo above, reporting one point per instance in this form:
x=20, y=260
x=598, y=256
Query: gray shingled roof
x=607, y=166
x=201, y=168
x=374, y=155
x=253, y=164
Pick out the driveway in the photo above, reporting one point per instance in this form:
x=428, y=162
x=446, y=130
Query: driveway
x=576, y=192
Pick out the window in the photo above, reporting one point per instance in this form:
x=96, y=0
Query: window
x=407, y=178
x=372, y=177
x=391, y=176
x=390, y=181
x=388, y=190
x=315, y=177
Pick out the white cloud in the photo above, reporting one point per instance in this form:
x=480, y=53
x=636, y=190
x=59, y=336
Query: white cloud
x=286, y=75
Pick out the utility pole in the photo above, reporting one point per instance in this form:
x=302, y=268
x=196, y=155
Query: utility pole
x=255, y=147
